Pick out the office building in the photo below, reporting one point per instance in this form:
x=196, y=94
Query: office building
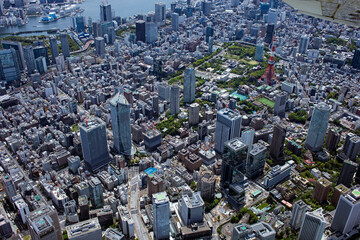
x=120, y=119
x=209, y=32
x=65, y=45
x=256, y=161
x=261, y=230
x=151, y=32
x=322, y=189
x=272, y=16
x=160, y=13
x=161, y=215
x=155, y=185
x=247, y=137
x=206, y=185
x=43, y=223
x=100, y=46
x=9, y=186
x=105, y=13
x=355, y=63
x=140, y=30
x=206, y=7
x=269, y=35
x=18, y=50
x=277, y=143
x=80, y=24
x=191, y=208
x=318, y=127
x=278, y=174
x=41, y=65
x=84, y=207
x=97, y=31
x=304, y=43
x=5, y=226
x=174, y=99
x=54, y=48
x=164, y=91
x=86, y=230
x=112, y=234
x=111, y=35
x=259, y=52
x=280, y=104
x=339, y=190
x=9, y=66
x=41, y=51
x=175, y=21
x=96, y=193
x=189, y=85
x=23, y=208
x=29, y=59
x=332, y=139
x=71, y=212
x=347, y=172
x=194, y=114
x=94, y=144
x=152, y=139
x=351, y=146
x=228, y=125
x=347, y=214
x=313, y=226
x=298, y=214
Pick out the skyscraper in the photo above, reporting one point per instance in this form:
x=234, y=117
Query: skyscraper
x=41, y=65
x=347, y=173
x=318, y=127
x=259, y=52
x=322, y=189
x=80, y=24
x=272, y=16
x=332, y=139
x=151, y=32
x=96, y=193
x=256, y=161
x=209, y=33
x=161, y=215
x=41, y=51
x=94, y=144
x=247, y=137
x=304, y=43
x=120, y=119
x=351, y=146
x=189, y=85
x=191, y=208
x=206, y=7
x=29, y=59
x=140, y=30
x=174, y=99
x=260, y=230
x=65, y=45
x=54, y=48
x=194, y=114
x=18, y=50
x=159, y=16
x=228, y=125
x=175, y=21
x=105, y=13
x=280, y=104
x=347, y=212
x=277, y=143
x=298, y=214
x=269, y=36
x=9, y=66
x=96, y=27
x=356, y=59
x=313, y=226
x=111, y=35
x=100, y=46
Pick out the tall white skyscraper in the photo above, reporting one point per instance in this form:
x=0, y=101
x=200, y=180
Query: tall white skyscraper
x=161, y=214
x=247, y=137
x=298, y=214
x=105, y=13
x=313, y=226
x=189, y=85
x=160, y=11
x=175, y=21
x=272, y=16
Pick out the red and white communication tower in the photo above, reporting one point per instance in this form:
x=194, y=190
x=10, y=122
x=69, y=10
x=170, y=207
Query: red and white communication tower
x=269, y=74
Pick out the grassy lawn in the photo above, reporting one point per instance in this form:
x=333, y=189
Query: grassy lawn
x=263, y=205
x=74, y=128
x=267, y=102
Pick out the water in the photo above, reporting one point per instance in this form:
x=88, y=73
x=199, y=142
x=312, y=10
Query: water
x=122, y=8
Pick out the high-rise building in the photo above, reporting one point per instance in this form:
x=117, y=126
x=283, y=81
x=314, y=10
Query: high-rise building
x=161, y=215
x=189, y=85
x=332, y=139
x=351, y=146
x=88, y=229
x=43, y=223
x=206, y=7
x=41, y=51
x=174, y=99
x=111, y=35
x=259, y=52
x=347, y=212
x=318, y=127
x=155, y=185
x=191, y=208
x=94, y=144
x=277, y=143
x=90, y=26
x=209, y=33
x=206, y=185
x=100, y=46
x=65, y=45
x=280, y=104
x=140, y=30
x=278, y=174
x=120, y=119
x=313, y=225
x=355, y=63
x=29, y=59
x=194, y=114
x=298, y=214
x=256, y=161
x=151, y=32
x=9, y=66
x=175, y=21
x=9, y=186
x=322, y=189
x=228, y=125
x=272, y=16
x=247, y=137
x=348, y=170
x=97, y=31
x=270, y=30
x=304, y=43
x=18, y=50
x=260, y=230
x=160, y=12
x=96, y=193
x=80, y=24
x=54, y=48
x=339, y=190
x=41, y=65
x=105, y=13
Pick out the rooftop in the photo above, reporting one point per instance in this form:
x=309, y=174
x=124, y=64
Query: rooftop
x=83, y=228
x=228, y=113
